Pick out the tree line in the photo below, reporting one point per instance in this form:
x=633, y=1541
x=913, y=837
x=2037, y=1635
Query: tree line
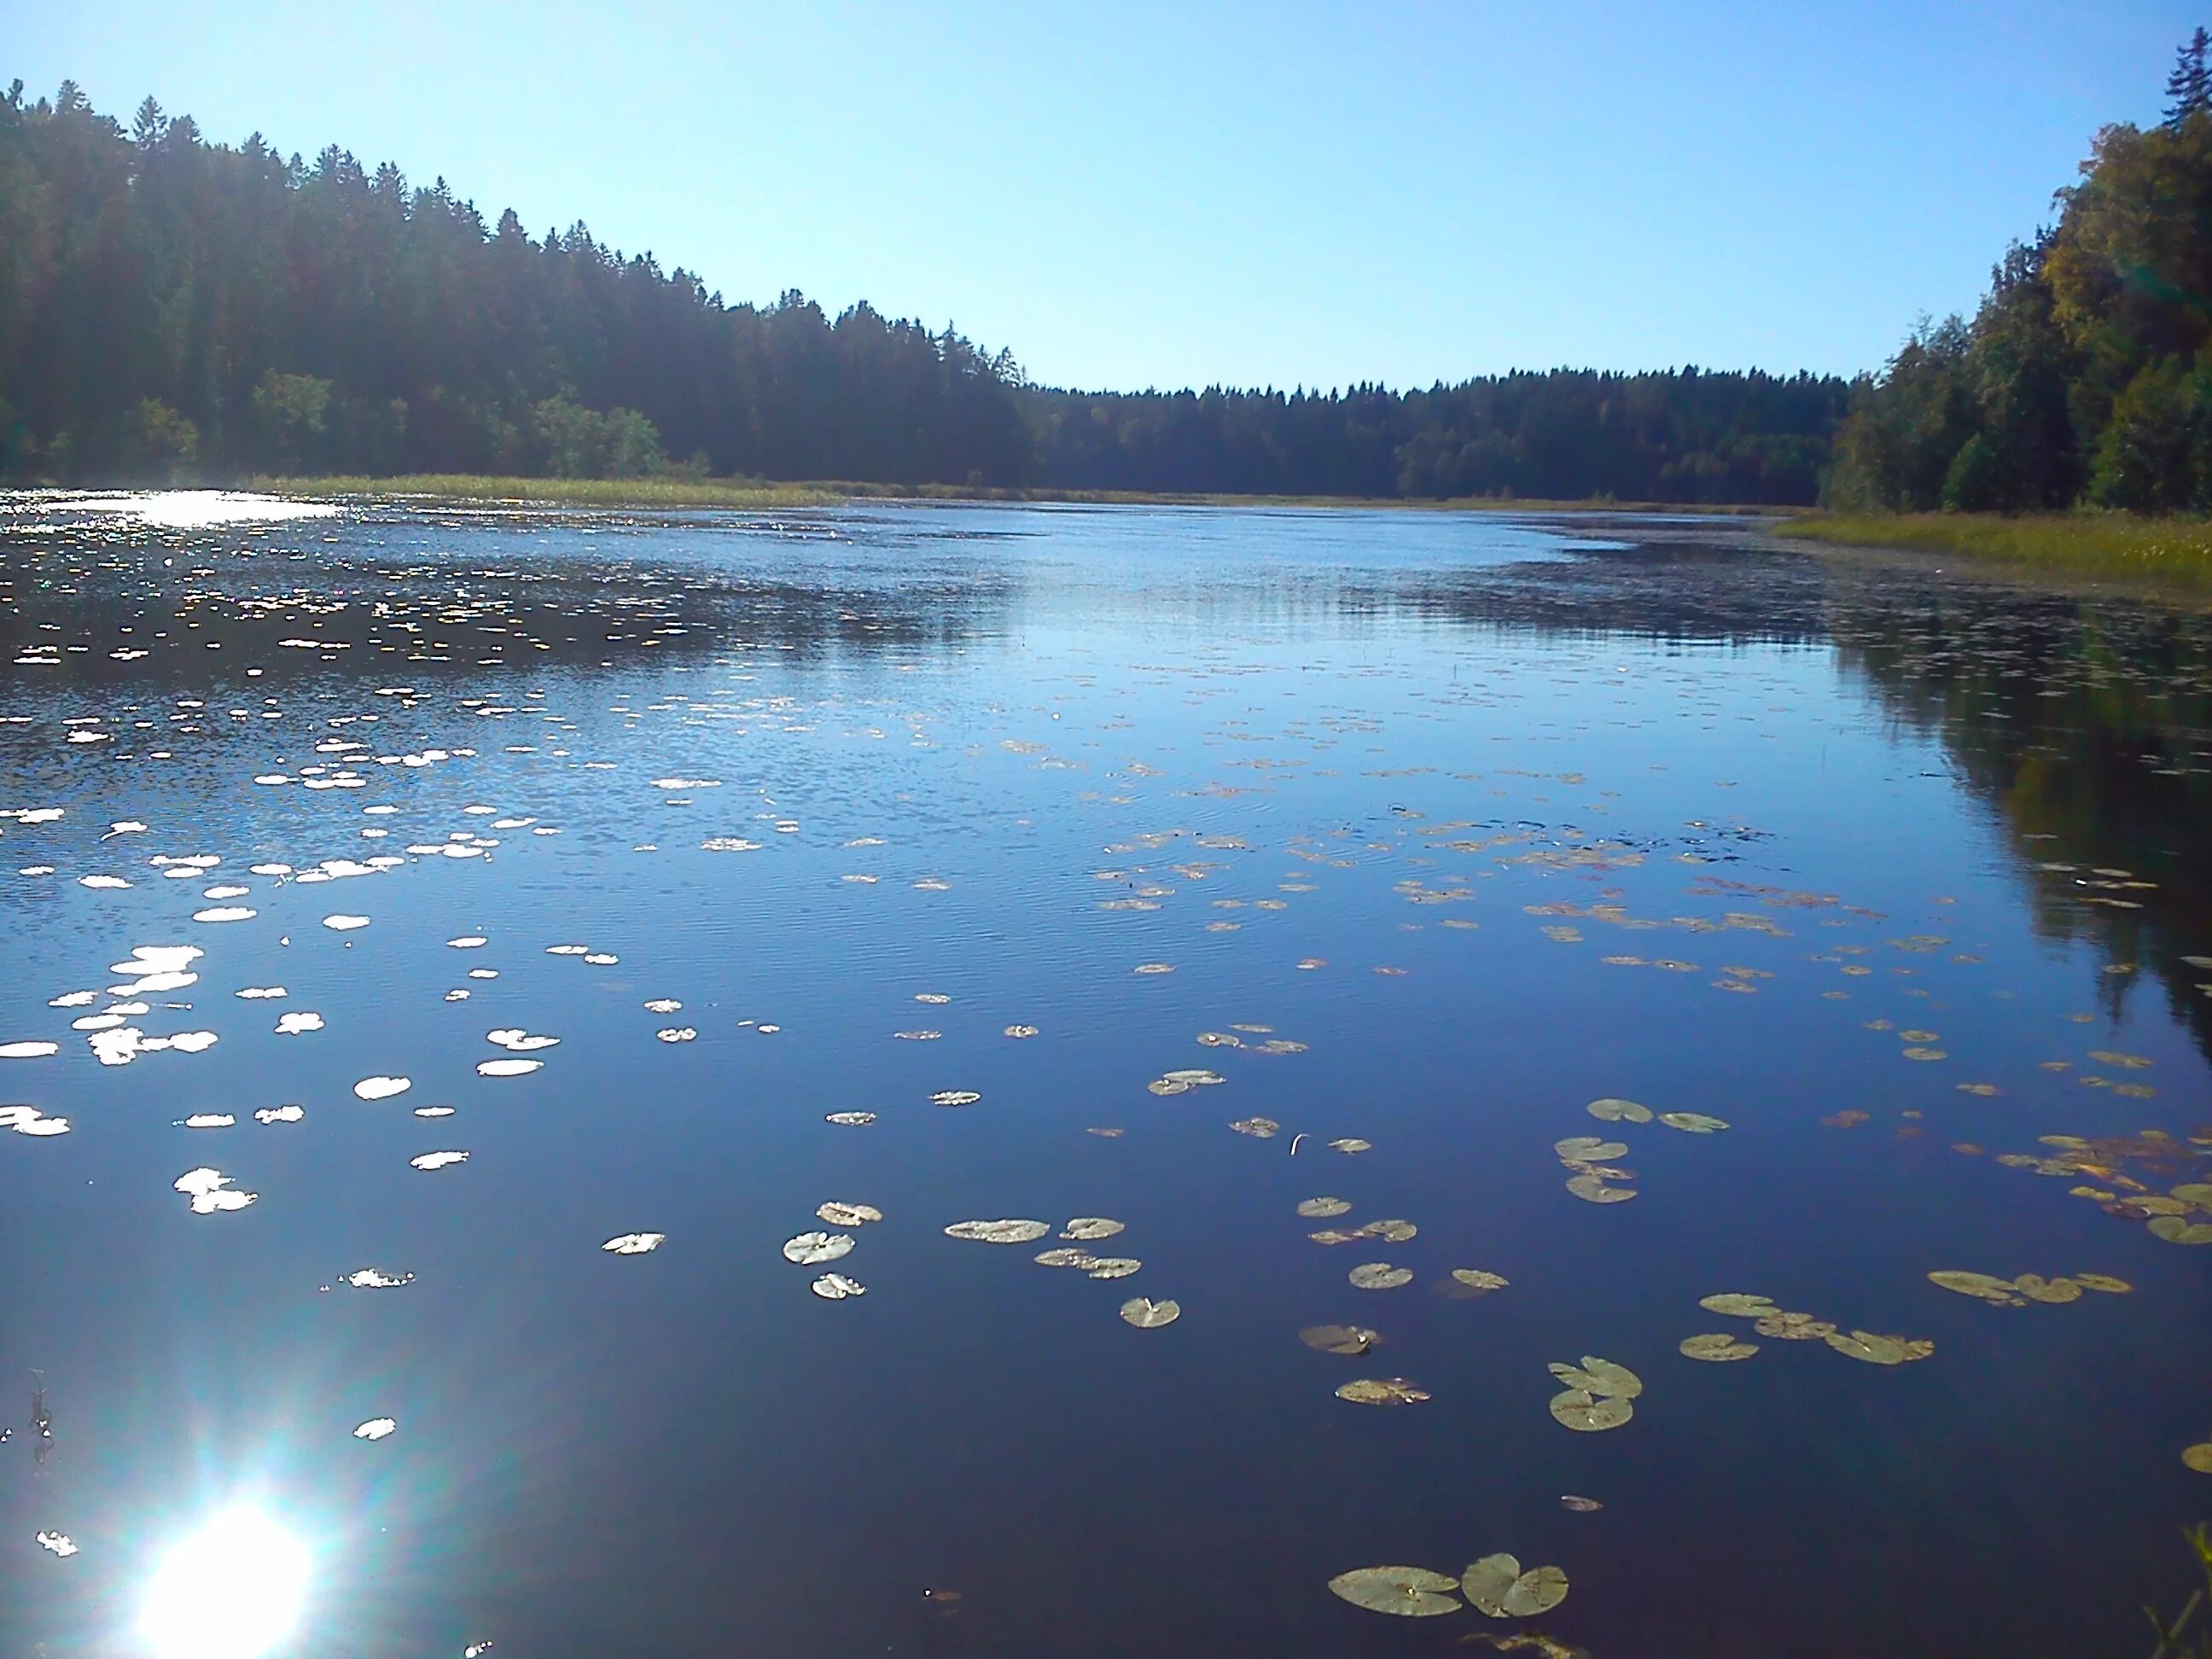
x=2086, y=376
x=172, y=308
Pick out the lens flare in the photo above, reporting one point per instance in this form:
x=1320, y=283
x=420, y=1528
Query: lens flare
x=231, y=1590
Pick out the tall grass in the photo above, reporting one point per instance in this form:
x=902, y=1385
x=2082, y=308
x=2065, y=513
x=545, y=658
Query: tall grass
x=2177, y=551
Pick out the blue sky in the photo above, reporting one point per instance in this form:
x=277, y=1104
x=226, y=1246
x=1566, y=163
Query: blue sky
x=1132, y=195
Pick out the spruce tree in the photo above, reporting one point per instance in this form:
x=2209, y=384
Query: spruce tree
x=2190, y=86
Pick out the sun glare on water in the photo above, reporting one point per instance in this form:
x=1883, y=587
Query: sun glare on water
x=231, y=1590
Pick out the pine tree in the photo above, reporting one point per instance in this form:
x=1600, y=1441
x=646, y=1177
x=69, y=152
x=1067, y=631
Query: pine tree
x=2190, y=86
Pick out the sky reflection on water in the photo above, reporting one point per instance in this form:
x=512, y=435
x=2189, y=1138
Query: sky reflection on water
x=1494, y=819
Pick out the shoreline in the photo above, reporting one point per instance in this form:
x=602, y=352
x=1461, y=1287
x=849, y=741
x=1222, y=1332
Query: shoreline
x=2168, y=554
x=752, y=493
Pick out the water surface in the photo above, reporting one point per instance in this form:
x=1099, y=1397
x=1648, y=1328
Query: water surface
x=1471, y=822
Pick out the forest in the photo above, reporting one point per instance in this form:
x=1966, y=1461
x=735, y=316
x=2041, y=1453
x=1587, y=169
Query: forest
x=174, y=309
x=2086, y=376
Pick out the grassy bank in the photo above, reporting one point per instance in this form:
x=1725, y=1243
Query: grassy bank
x=2176, y=550
x=758, y=492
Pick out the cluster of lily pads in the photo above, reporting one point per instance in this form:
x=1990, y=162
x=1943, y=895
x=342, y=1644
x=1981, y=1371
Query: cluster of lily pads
x=1589, y=1158
x=814, y=1249
x=1355, y=1339
x=1183, y=1081
x=1595, y=1396
x=1141, y=1311
x=1872, y=1346
x=2028, y=1287
x=1496, y=1585
x=2176, y=1216
x=1231, y=1039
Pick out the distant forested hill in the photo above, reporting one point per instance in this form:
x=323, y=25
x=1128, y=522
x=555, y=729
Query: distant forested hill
x=176, y=309
x=1568, y=434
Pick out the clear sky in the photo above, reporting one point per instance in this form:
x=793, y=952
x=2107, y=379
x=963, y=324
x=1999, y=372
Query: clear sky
x=1278, y=194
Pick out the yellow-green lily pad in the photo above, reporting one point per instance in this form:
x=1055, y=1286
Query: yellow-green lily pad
x=1408, y=1592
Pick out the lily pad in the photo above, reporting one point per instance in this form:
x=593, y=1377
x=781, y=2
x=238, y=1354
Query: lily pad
x=1390, y=1232
x=1112, y=1267
x=1537, y=1590
x=635, y=1243
x=1338, y=1339
x=840, y=1214
x=1873, y=1349
x=1585, y=1414
x=2198, y=1457
x=1793, y=1326
x=1600, y=1377
x=811, y=1249
x=1985, y=1287
x=1317, y=1209
x=1589, y=1149
x=1619, y=1111
x=998, y=1232
x=1260, y=1128
x=2174, y=1231
x=1382, y=1391
x=1696, y=1123
x=1091, y=1226
x=836, y=1287
x=1477, y=1280
x=1739, y=1304
x=1147, y=1315
x=2036, y=1288
x=1408, y=1592
x=1380, y=1276
x=1592, y=1189
x=2103, y=1282
x=1498, y=1587
x=1486, y=1581
x=1717, y=1348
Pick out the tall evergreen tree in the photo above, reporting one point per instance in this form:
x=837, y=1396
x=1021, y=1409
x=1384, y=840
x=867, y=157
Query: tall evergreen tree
x=2190, y=86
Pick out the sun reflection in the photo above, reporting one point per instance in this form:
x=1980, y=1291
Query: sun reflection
x=231, y=1590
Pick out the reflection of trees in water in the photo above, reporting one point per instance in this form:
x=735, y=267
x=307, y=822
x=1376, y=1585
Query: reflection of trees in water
x=468, y=633
x=2086, y=723
x=428, y=619
x=1699, y=590
x=2089, y=725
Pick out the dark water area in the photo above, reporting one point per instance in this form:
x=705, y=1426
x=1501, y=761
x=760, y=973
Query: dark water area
x=1422, y=831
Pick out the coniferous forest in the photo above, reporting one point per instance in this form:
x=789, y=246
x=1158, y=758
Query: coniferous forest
x=176, y=309
x=172, y=308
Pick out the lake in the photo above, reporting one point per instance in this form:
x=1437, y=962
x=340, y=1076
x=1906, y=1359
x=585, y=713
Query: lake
x=1569, y=919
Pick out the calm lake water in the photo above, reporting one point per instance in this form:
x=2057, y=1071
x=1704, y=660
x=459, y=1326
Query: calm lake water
x=974, y=826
